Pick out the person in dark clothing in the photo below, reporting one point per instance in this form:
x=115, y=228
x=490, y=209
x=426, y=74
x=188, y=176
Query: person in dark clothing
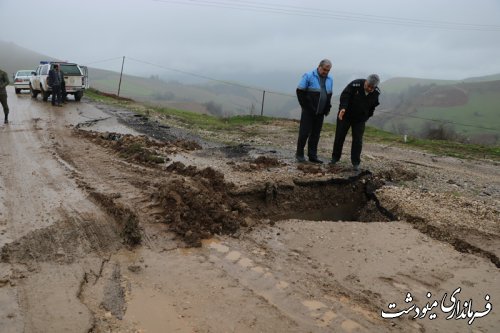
x=357, y=104
x=55, y=83
x=314, y=93
x=4, y=82
x=64, y=94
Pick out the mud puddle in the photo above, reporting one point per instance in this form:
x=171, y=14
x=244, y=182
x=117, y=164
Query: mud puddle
x=344, y=213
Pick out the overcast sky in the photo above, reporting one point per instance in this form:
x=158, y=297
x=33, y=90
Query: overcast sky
x=445, y=39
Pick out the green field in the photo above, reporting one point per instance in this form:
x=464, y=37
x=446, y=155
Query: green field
x=482, y=111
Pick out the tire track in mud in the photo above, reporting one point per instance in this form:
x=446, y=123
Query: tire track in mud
x=53, y=228
x=458, y=243
x=314, y=313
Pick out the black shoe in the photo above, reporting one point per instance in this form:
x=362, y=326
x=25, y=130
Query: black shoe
x=355, y=167
x=315, y=160
x=300, y=158
x=6, y=121
x=333, y=161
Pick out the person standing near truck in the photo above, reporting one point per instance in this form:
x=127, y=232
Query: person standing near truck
x=64, y=94
x=54, y=81
x=4, y=82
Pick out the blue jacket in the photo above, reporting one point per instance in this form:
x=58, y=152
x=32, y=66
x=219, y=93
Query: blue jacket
x=308, y=93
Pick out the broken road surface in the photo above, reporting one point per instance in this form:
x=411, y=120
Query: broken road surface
x=105, y=229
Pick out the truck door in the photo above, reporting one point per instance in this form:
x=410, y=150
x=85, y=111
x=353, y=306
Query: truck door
x=36, y=79
x=85, y=72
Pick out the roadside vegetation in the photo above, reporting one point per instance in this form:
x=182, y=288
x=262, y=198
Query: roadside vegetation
x=248, y=126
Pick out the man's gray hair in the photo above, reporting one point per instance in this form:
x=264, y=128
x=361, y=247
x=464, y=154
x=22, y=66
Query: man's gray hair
x=325, y=62
x=373, y=80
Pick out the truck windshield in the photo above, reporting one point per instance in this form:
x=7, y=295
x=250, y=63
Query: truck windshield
x=70, y=69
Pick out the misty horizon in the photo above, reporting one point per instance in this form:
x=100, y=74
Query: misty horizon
x=276, y=41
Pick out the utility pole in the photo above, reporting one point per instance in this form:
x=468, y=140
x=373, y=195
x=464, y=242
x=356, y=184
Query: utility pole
x=262, y=108
x=121, y=73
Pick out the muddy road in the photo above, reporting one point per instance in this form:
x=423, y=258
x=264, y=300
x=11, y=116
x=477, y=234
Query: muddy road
x=116, y=222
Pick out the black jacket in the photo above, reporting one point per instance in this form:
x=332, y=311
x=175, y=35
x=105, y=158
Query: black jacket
x=358, y=106
x=54, y=78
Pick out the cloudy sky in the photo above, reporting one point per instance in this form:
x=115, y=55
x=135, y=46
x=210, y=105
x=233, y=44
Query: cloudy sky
x=227, y=39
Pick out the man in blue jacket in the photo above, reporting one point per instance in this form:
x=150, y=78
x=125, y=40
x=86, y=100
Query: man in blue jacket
x=357, y=103
x=314, y=93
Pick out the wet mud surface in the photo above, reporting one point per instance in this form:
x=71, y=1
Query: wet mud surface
x=152, y=228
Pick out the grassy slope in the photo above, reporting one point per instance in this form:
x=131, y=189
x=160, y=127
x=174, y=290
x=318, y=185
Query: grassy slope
x=234, y=100
x=203, y=124
x=479, y=115
x=483, y=110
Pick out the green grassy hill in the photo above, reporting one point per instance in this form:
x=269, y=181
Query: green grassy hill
x=215, y=98
x=471, y=109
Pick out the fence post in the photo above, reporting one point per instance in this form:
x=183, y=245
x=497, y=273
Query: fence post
x=262, y=108
x=121, y=73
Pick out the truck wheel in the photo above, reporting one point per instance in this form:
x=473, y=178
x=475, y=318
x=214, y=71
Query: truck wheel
x=18, y=91
x=78, y=96
x=45, y=95
x=34, y=93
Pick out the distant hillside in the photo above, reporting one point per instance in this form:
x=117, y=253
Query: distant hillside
x=14, y=58
x=469, y=110
x=493, y=77
x=399, y=84
x=215, y=98
x=408, y=105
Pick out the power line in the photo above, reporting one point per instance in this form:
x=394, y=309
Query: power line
x=99, y=61
x=369, y=16
x=209, y=78
x=328, y=14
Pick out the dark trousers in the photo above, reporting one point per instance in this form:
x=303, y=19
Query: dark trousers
x=56, y=95
x=358, y=129
x=64, y=94
x=3, y=100
x=309, y=131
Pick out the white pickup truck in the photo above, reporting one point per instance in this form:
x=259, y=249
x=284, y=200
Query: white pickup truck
x=75, y=78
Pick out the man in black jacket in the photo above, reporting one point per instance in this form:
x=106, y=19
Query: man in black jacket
x=357, y=103
x=4, y=82
x=54, y=80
